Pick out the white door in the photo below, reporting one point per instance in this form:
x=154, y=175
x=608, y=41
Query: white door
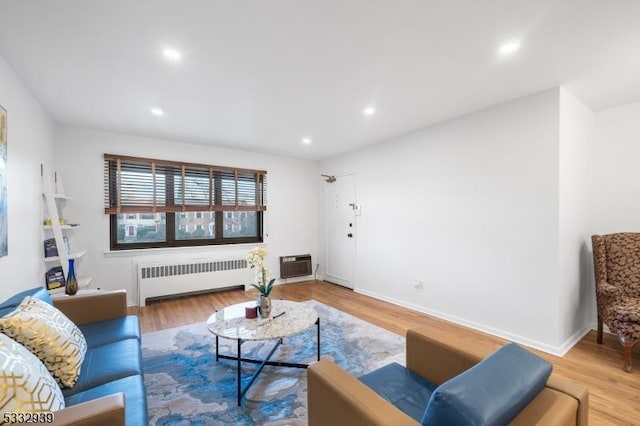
x=340, y=199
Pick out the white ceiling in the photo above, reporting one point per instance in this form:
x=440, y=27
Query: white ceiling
x=260, y=75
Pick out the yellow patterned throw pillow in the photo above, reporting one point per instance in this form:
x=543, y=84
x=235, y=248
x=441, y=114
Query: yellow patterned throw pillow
x=25, y=382
x=50, y=335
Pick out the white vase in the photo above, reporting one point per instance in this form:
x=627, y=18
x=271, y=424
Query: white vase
x=264, y=306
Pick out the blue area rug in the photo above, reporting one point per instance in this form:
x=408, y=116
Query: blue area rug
x=186, y=386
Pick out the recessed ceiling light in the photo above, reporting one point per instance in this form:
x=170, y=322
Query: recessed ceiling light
x=172, y=54
x=369, y=111
x=306, y=141
x=509, y=48
x=157, y=112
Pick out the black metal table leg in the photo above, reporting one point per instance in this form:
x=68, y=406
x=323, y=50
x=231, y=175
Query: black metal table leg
x=239, y=373
x=318, y=334
x=266, y=361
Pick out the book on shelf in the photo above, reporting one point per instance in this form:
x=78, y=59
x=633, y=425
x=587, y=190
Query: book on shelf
x=51, y=249
x=54, y=278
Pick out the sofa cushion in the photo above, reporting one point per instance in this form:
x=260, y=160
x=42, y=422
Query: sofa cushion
x=134, y=394
x=50, y=335
x=404, y=389
x=12, y=303
x=492, y=392
x=25, y=382
x=108, y=362
x=109, y=331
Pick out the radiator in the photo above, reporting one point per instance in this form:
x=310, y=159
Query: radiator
x=172, y=278
x=295, y=266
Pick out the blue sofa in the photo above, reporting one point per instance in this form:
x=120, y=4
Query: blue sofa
x=110, y=389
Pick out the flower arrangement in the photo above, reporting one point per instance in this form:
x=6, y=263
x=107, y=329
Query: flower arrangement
x=264, y=282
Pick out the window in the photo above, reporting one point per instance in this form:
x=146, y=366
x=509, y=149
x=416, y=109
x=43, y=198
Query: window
x=156, y=203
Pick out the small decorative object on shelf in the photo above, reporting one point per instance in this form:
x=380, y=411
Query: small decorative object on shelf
x=50, y=248
x=264, y=282
x=54, y=278
x=71, y=287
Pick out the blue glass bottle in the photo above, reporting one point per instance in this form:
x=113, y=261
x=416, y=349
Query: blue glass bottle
x=71, y=286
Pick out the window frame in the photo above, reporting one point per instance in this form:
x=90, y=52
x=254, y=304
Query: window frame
x=171, y=240
x=217, y=206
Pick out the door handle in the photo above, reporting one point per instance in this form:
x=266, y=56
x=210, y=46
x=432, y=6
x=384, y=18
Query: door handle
x=350, y=235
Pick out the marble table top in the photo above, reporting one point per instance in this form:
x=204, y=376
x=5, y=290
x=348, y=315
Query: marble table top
x=231, y=323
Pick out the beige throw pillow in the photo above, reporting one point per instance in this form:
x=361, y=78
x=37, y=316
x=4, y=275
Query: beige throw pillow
x=26, y=384
x=50, y=335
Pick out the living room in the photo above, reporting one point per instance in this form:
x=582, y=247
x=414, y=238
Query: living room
x=503, y=196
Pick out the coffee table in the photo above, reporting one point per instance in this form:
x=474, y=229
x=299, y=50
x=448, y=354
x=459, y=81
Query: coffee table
x=287, y=318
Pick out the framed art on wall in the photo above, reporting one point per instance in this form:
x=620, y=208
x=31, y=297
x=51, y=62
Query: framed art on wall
x=3, y=182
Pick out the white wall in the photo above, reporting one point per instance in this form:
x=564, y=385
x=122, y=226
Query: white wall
x=30, y=143
x=290, y=220
x=617, y=174
x=576, y=292
x=616, y=185
x=502, y=207
x=471, y=208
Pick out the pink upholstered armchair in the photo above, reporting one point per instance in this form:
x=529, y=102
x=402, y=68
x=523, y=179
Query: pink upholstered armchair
x=616, y=260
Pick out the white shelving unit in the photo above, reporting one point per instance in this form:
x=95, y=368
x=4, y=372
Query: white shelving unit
x=55, y=201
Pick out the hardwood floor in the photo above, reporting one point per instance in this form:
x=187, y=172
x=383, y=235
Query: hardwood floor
x=614, y=396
